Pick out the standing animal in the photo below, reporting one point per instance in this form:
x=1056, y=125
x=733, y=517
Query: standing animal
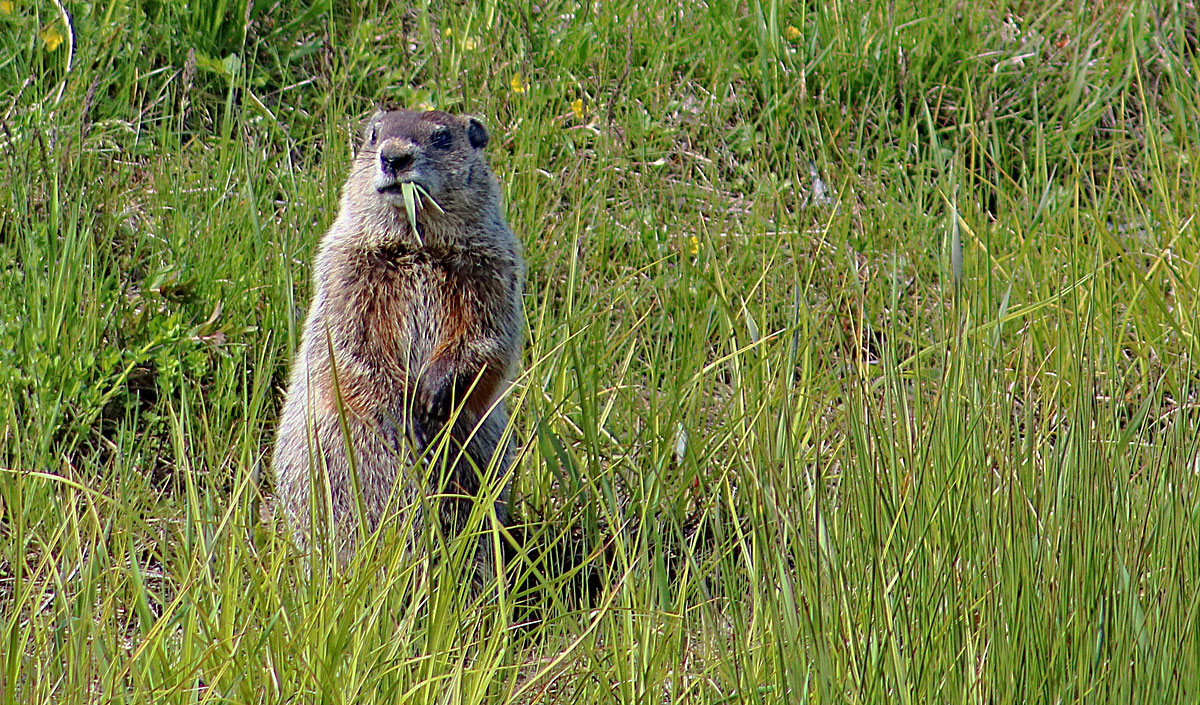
x=411, y=339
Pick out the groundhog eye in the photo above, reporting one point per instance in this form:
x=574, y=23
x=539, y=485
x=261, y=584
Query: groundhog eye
x=441, y=139
x=374, y=134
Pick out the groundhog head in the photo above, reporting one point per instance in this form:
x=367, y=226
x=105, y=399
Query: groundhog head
x=439, y=152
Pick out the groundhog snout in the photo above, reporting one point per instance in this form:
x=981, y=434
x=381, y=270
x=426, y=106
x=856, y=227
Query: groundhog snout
x=397, y=156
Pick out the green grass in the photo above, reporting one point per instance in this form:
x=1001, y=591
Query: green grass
x=940, y=435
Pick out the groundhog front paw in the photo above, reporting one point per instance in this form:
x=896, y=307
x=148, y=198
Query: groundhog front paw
x=436, y=393
x=436, y=401
x=431, y=410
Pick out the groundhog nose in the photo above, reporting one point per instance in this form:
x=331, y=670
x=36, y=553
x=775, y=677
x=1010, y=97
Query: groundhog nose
x=395, y=157
x=396, y=163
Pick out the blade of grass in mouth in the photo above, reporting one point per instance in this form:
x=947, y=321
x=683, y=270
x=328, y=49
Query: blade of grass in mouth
x=410, y=191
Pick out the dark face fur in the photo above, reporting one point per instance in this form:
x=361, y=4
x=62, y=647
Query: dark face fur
x=435, y=150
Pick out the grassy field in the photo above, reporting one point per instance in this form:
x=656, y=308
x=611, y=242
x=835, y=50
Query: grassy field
x=880, y=320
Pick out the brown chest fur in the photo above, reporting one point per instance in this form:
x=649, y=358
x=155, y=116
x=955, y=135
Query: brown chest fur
x=395, y=316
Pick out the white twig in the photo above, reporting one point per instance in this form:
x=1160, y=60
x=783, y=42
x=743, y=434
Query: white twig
x=70, y=48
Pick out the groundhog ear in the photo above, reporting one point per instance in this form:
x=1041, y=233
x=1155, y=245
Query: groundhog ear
x=476, y=133
x=370, y=126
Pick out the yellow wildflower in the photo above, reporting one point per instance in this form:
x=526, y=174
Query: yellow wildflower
x=693, y=245
x=449, y=31
x=792, y=33
x=51, y=36
x=577, y=108
x=469, y=43
x=7, y=7
x=518, y=83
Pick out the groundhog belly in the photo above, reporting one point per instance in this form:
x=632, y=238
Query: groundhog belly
x=386, y=332
x=396, y=330
x=381, y=460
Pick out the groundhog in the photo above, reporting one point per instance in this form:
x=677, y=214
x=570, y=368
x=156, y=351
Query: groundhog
x=411, y=339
